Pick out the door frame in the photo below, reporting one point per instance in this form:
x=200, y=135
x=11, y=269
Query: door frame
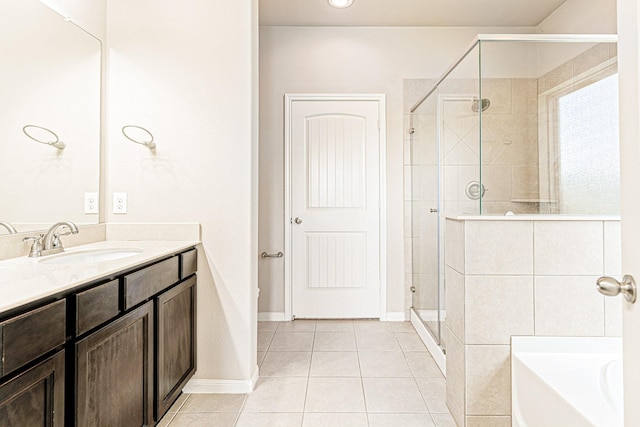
x=289, y=100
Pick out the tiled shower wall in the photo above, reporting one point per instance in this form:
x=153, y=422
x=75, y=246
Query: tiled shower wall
x=519, y=277
x=509, y=165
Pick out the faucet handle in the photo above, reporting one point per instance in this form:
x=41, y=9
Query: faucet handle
x=56, y=243
x=36, y=247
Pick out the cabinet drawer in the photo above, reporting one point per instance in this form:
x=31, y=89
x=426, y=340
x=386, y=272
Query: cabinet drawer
x=96, y=306
x=149, y=281
x=189, y=263
x=30, y=335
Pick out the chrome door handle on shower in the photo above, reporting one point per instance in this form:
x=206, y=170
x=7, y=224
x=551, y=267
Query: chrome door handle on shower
x=298, y=220
x=611, y=287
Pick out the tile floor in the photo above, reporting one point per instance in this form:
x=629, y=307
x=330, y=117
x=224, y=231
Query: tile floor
x=330, y=373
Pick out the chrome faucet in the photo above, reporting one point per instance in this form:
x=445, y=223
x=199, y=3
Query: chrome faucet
x=10, y=228
x=51, y=241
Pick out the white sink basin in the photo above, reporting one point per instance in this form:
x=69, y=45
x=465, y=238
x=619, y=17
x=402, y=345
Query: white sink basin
x=91, y=256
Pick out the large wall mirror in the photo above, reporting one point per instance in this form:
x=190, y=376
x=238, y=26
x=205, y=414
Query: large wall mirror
x=50, y=89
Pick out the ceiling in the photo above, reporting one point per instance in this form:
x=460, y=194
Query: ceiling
x=408, y=13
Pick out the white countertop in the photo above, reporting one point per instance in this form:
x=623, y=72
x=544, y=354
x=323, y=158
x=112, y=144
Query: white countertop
x=533, y=217
x=24, y=280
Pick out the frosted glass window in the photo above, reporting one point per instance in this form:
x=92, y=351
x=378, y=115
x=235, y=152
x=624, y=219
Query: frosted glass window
x=589, y=152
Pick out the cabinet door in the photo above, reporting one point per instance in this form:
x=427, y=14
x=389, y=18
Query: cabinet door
x=35, y=397
x=176, y=361
x=114, y=368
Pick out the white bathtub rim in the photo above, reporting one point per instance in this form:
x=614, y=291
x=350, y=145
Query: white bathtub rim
x=553, y=365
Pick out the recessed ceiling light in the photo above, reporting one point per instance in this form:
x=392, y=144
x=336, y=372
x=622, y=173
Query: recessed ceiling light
x=340, y=4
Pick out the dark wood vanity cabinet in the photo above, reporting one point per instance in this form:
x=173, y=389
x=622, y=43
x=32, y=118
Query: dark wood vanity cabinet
x=116, y=353
x=35, y=397
x=114, y=368
x=176, y=355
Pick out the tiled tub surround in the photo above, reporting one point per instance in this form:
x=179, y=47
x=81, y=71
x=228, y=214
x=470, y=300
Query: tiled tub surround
x=519, y=275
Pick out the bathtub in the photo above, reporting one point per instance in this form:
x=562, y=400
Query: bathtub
x=566, y=381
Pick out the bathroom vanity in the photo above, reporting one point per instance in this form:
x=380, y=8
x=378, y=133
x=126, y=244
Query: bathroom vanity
x=113, y=344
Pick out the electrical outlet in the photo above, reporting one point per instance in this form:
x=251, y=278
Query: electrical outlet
x=119, y=203
x=91, y=203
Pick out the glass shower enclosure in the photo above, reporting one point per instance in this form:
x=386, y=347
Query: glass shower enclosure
x=519, y=125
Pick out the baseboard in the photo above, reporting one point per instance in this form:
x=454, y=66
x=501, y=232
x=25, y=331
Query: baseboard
x=205, y=386
x=429, y=342
x=396, y=316
x=271, y=316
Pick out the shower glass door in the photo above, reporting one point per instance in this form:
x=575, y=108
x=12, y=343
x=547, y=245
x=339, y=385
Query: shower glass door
x=425, y=205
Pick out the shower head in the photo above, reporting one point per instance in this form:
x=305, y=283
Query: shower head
x=476, y=102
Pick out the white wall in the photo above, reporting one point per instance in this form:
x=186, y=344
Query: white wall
x=581, y=17
x=51, y=78
x=88, y=15
x=187, y=72
x=343, y=60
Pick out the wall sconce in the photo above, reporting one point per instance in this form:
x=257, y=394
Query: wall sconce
x=43, y=136
x=139, y=135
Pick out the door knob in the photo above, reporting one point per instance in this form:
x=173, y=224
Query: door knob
x=298, y=220
x=611, y=287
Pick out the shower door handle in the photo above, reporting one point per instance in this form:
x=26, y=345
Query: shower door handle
x=432, y=210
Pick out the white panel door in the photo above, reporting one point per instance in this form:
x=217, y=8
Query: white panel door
x=335, y=220
x=629, y=78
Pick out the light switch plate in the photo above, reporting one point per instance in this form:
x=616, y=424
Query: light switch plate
x=91, y=203
x=119, y=203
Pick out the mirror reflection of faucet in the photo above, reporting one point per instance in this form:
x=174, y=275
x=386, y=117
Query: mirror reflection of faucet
x=50, y=243
x=10, y=228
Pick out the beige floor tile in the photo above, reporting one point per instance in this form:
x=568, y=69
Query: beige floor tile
x=393, y=395
x=267, y=326
x=264, y=419
x=434, y=393
x=422, y=365
x=297, y=326
x=334, y=341
x=264, y=340
x=178, y=403
x=372, y=341
x=224, y=419
x=410, y=341
x=197, y=403
x=334, y=364
x=335, y=420
x=371, y=326
x=277, y=394
x=260, y=357
x=292, y=341
x=166, y=420
x=379, y=364
x=402, y=327
x=334, y=326
x=286, y=364
x=444, y=420
x=401, y=420
x=334, y=395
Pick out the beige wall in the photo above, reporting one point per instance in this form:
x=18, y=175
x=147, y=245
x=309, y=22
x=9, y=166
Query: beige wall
x=343, y=60
x=187, y=72
x=581, y=17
